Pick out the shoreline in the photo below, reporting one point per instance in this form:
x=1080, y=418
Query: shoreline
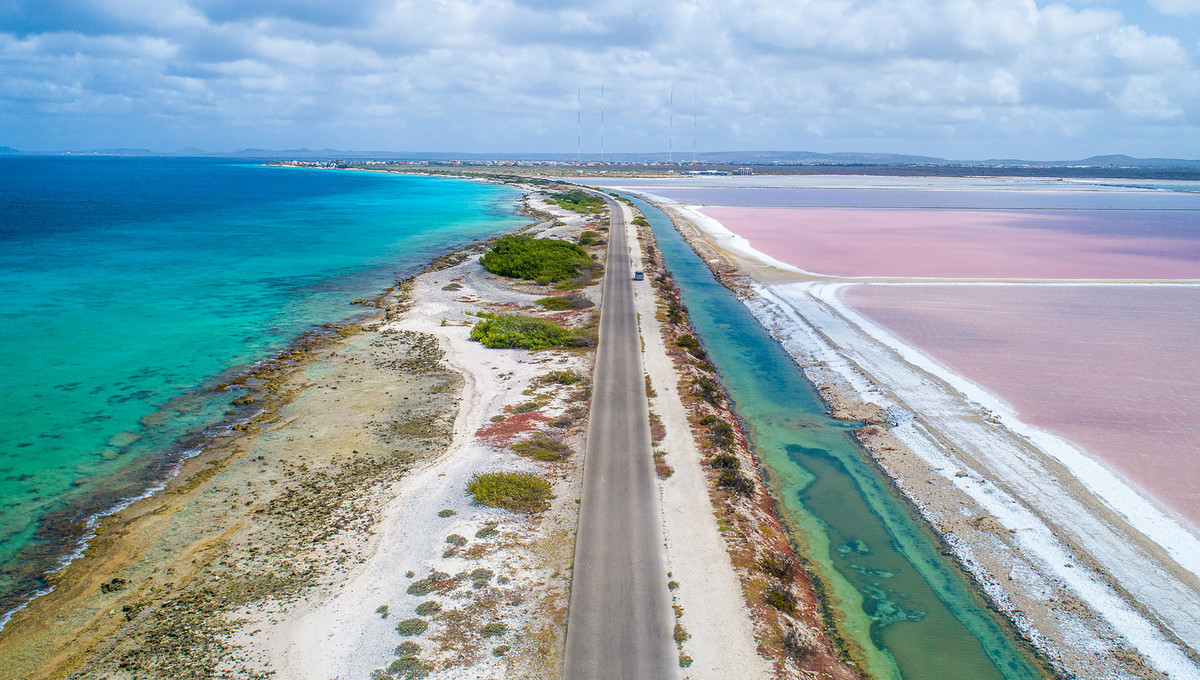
x=928, y=471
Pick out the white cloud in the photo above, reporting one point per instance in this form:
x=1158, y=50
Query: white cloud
x=913, y=75
x=1176, y=7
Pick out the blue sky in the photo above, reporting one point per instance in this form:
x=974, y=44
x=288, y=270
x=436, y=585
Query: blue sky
x=963, y=79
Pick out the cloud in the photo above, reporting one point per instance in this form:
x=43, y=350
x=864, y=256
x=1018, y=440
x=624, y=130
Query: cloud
x=1176, y=7
x=981, y=77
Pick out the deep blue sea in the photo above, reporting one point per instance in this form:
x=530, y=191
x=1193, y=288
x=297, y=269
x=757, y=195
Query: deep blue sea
x=128, y=285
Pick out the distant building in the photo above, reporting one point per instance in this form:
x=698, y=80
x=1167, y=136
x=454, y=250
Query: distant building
x=744, y=171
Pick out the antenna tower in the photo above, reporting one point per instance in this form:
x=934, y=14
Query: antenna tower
x=579, y=125
x=601, y=123
x=695, y=109
x=671, y=130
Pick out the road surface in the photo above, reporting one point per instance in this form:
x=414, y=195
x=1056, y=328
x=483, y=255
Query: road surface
x=620, y=622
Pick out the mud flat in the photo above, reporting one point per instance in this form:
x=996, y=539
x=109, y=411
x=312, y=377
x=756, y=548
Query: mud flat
x=1096, y=575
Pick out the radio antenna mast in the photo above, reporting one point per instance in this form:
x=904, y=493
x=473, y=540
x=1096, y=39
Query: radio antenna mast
x=601, y=123
x=671, y=130
x=695, y=109
x=579, y=125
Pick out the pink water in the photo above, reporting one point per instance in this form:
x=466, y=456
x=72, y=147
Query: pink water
x=1115, y=369
x=1094, y=244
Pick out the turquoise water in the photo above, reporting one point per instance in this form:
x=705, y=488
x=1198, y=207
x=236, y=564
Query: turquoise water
x=128, y=285
x=911, y=613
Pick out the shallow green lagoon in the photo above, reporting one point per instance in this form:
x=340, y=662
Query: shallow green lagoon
x=911, y=612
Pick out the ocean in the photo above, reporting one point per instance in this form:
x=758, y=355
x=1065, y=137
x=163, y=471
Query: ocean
x=130, y=286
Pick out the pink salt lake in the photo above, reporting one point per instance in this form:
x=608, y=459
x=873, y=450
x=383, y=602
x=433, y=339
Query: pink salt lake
x=981, y=244
x=1115, y=369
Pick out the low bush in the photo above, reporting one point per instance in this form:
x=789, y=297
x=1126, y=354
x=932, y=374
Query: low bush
x=562, y=422
x=407, y=648
x=780, y=567
x=709, y=390
x=411, y=627
x=427, y=584
x=481, y=577
x=562, y=377
x=488, y=530
x=523, y=492
x=494, y=629
x=428, y=608
x=725, y=461
x=382, y=610
x=589, y=238
x=408, y=667
x=641, y=221
x=544, y=260
x=735, y=481
x=527, y=407
x=676, y=313
x=780, y=598
x=500, y=650
x=455, y=539
x=446, y=513
x=721, y=435
x=502, y=331
x=562, y=303
x=543, y=447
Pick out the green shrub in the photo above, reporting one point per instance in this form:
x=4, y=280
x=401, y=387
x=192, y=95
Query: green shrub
x=781, y=599
x=382, y=610
x=500, y=650
x=578, y=201
x=455, y=539
x=494, y=629
x=641, y=221
x=427, y=608
x=544, y=260
x=721, y=435
x=562, y=377
x=780, y=567
x=726, y=461
x=411, y=627
x=499, y=331
x=527, y=407
x=481, y=577
x=589, y=238
x=543, y=447
x=446, y=513
x=735, y=481
x=708, y=419
x=680, y=634
x=562, y=303
x=488, y=530
x=692, y=345
x=408, y=667
x=523, y=492
x=407, y=648
x=709, y=390
x=685, y=661
x=562, y=422
x=427, y=584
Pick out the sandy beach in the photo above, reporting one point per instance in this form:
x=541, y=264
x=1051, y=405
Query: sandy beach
x=1097, y=575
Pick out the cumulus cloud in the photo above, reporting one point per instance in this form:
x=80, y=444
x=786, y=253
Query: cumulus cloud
x=970, y=78
x=1176, y=7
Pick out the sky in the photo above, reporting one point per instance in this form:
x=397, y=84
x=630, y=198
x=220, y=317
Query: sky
x=960, y=79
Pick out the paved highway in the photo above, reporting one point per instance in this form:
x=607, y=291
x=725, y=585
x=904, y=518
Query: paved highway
x=620, y=623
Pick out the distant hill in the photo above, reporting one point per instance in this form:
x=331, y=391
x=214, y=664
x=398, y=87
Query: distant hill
x=8, y=149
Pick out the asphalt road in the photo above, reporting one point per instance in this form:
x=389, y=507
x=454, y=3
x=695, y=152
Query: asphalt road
x=620, y=622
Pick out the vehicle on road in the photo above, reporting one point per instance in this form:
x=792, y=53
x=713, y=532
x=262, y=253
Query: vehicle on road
x=639, y=275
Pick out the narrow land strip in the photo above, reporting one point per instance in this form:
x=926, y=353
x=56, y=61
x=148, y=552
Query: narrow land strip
x=619, y=620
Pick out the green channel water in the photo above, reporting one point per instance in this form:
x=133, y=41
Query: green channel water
x=906, y=610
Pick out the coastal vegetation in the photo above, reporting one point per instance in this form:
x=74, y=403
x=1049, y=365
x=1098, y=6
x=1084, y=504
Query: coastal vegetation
x=507, y=331
x=523, y=492
x=578, y=201
x=562, y=303
x=544, y=260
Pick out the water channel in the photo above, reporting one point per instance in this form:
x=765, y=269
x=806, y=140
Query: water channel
x=906, y=610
